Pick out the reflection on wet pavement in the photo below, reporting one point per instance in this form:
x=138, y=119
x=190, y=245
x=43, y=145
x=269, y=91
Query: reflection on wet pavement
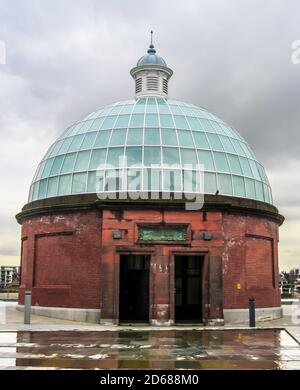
x=157, y=349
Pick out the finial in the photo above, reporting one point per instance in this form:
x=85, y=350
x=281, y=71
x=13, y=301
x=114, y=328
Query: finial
x=151, y=49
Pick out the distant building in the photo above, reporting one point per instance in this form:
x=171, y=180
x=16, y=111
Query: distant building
x=9, y=276
x=295, y=272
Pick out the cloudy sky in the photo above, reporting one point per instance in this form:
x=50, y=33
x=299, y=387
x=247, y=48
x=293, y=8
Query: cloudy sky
x=66, y=58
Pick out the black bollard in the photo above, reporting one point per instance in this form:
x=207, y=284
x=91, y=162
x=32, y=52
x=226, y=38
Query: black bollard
x=252, y=312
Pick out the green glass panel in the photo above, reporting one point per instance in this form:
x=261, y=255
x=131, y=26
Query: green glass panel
x=134, y=155
x=79, y=183
x=266, y=193
x=66, y=144
x=67, y=132
x=109, y=122
x=98, y=158
x=91, y=184
x=135, y=136
x=56, y=148
x=259, y=190
x=152, y=155
x=246, y=150
x=172, y=180
x=113, y=156
x=151, y=101
x=169, y=137
x=246, y=167
x=56, y=167
x=42, y=188
x=175, y=110
x=210, y=183
x=170, y=156
x=262, y=173
x=127, y=109
x=214, y=141
x=86, y=126
x=206, y=124
x=97, y=124
x=152, y=136
x=225, y=186
x=250, y=188
x=35, y=191
x=47, y=168
x=185, y=138
x=152, y=179
x=151, y=108
x=188, y=156
x=206, y=158
x=76, y=128
x=180, y=122
x=89, y=140
x=194, y=123
x=40, y=170
x=137, y=120
x=122, y=121
x=151, y=120
x=200, y=140
x=49, y=152
x=76, y=142
x=254, y=169
x=134, y=179
x=238, y=147
x=238, y=186
x=82, y=160
x=163, y=109
x=189, y=181
x=52, y=186
x=102, y=138
x=139, y=109
x=118, y=137
x=68, y=163
x=166, y=121
x=234, y=163
x=221, y=162
x=115, y=110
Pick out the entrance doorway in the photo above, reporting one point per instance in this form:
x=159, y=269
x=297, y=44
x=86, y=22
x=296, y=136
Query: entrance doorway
x=188, y=288
x=134, y=288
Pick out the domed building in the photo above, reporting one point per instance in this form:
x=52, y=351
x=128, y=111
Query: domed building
x=111, y=232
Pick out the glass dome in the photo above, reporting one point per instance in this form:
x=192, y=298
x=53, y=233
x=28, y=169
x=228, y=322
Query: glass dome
x=151, y=130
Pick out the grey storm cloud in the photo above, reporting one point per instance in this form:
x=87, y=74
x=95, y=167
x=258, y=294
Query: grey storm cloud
x=67, y=58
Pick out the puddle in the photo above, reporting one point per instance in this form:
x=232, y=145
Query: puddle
x=154, y=349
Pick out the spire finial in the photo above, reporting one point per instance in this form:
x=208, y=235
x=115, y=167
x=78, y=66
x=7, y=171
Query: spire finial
x=151, y=49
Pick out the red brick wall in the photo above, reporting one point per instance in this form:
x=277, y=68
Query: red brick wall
x=72, y=260
x=250, y=259
x=62, y=259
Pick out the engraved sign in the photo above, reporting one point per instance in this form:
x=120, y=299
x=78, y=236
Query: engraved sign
x=162, y=233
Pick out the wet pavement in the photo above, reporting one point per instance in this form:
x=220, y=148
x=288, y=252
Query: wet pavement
x=155, y=349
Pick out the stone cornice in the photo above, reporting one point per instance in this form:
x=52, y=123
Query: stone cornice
x=91, y=202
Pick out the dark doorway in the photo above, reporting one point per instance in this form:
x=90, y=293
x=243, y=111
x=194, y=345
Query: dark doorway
x=134, y=288
x=188, y=288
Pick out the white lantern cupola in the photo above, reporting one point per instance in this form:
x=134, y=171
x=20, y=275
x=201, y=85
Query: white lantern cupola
x=151, y=74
